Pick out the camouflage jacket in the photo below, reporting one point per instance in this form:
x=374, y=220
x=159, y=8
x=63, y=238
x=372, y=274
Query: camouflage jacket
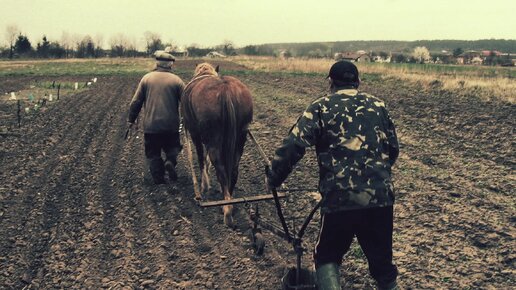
x=356, y=147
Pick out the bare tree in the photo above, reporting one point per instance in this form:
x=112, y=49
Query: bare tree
x=98, y=39
x=12, y=32
x=227, y=47
x=152, y=41
x=76, y=40
x=99, y=43
x=66, y=42
x=119, y=44
x=86, y=47
x=132, y=47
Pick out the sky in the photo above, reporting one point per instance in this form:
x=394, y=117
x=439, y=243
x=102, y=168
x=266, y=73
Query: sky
x=246, y=22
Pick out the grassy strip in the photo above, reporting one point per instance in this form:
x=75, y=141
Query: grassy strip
x=490, y=82
x=270, y=64
x=100, y=67
x=498, y=82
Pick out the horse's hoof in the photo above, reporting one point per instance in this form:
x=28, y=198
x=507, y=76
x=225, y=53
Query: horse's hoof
x=258, y=244
x=228, y=221
x=198, y=198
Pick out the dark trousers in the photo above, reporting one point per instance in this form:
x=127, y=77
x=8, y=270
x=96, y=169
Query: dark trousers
x=154, y=144
x=373, y=229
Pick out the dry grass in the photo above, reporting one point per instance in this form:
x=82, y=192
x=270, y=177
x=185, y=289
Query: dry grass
x=271, y=64
x=453, y=78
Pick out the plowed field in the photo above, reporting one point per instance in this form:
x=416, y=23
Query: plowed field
x=75, y=212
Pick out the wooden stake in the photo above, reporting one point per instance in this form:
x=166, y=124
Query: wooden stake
x=18, y=113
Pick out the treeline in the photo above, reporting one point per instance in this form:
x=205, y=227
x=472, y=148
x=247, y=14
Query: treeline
x=119, y=45
x=87, y=47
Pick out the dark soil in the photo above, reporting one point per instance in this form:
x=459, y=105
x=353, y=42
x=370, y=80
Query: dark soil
x=75, y=212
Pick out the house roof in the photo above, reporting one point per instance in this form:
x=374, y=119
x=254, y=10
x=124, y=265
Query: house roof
x=352, y=55
x=470, y=53
x=215, y=53
x=488, y=52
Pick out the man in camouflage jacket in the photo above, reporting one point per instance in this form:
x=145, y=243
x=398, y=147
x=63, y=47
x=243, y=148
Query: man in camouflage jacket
x=356, y=147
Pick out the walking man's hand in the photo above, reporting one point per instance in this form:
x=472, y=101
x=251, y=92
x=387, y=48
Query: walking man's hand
x=130, y=129
x=268, y=178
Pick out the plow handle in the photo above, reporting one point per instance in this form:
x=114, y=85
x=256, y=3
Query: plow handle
x=260, y=150
x=280, y=213
x=273, y=190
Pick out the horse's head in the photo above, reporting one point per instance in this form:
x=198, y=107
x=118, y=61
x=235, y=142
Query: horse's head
x=205, y=69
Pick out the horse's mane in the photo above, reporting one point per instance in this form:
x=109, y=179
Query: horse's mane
x=204, y=69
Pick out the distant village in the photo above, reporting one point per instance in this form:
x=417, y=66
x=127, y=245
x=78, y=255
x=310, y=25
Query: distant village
x=471, y=57
x=419, y=55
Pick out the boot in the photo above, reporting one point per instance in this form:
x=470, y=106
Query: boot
x=328, y=277
x=389, y=286
x=157, y=170
x=170, y=167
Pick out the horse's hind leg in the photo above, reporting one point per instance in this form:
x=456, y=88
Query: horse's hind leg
x=190, y=161
x=200, y=158
x=205, y=179
x=203, y=165
x=238, y=155
x=224, y=187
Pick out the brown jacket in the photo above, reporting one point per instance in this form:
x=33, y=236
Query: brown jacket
x=159, y=92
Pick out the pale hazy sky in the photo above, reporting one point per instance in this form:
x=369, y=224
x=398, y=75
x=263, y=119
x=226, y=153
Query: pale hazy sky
x=244, y=22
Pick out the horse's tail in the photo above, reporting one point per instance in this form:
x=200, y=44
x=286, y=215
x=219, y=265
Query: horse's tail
x=230, y=127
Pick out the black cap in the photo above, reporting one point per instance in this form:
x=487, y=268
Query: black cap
x=344, y=72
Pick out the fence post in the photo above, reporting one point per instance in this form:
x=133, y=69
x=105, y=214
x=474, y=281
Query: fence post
x=58, y=89
x=19, y=113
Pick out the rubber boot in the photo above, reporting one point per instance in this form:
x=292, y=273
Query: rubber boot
x=157, y=170
x=328, y=277
x=171, y=162
x=170, y=166
x=390, y=286
x=147, y=177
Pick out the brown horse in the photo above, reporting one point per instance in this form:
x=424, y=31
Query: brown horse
x=216, y=113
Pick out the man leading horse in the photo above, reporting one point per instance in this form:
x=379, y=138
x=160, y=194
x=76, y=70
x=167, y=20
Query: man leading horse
x=159, y=92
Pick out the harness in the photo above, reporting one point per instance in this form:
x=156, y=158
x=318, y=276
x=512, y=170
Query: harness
x=196, y=79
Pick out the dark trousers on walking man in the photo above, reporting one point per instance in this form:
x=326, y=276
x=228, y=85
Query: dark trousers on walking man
x=373, y=229
x=155, y=144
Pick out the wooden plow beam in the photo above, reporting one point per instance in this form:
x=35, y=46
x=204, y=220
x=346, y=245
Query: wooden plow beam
x=240, y=200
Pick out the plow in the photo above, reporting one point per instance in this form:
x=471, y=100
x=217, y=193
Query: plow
x=296, y=277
